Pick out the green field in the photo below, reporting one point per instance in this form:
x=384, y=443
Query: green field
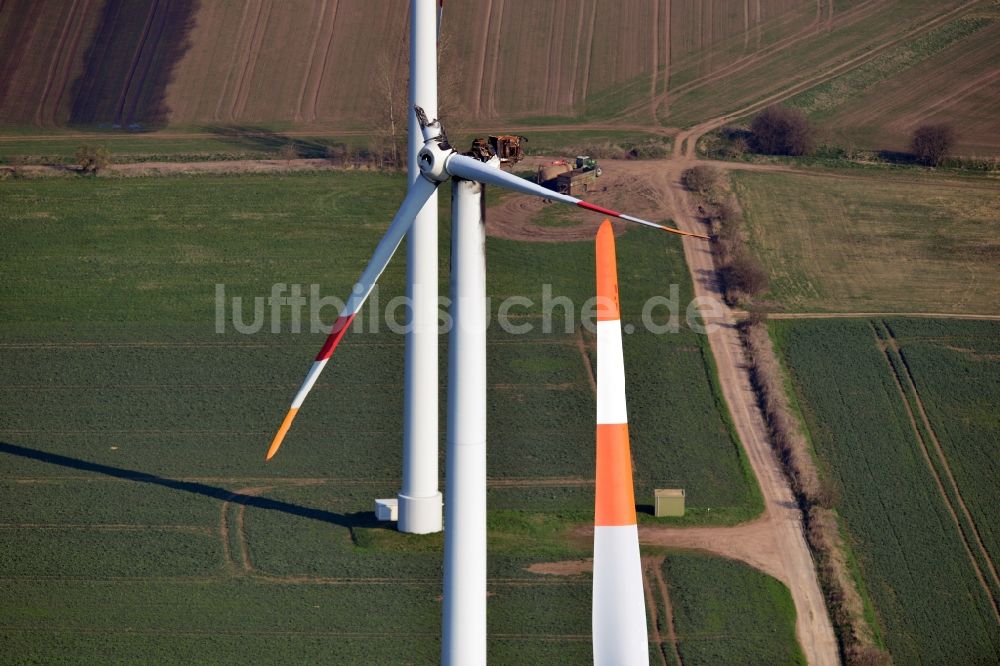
x=909, y=546
x=132, y=433
x=880, y=241
x=727, y=613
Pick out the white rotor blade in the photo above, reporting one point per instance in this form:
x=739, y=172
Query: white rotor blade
x=420, y=191
x=468, y=168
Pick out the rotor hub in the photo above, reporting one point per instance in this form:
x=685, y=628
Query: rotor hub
x=432, y=158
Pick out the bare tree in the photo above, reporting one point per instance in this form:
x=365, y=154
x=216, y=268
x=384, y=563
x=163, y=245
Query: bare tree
x=745, y=274
x=780, y=130
x=451, y=77
x=391, y=116
x=931, y=143
x=288, y=152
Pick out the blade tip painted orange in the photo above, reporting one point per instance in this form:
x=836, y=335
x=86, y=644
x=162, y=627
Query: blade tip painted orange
x=607, y=274
x=280, y=435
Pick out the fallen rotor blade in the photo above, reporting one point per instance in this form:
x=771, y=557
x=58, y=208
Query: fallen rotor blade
x=468, y=168
x=619, y=606
x=420, y=192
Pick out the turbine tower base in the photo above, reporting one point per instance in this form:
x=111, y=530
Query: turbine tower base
x=419, y=515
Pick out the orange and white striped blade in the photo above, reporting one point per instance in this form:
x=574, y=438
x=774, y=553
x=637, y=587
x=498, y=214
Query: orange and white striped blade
x=619, y=612
x=420, y=191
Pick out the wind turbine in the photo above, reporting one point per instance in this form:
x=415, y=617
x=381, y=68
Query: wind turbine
x=464, y=622
x=464, y=614
x=619, y=607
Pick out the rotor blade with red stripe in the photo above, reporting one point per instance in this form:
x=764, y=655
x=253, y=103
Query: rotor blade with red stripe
x=468, y=168
x=417, y=196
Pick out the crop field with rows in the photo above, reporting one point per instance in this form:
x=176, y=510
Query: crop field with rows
x=927, y=575
x=139, y=520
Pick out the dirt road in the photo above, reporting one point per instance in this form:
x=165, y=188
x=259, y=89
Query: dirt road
x=786, y=543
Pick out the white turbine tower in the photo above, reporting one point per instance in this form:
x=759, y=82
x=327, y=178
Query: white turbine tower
x=419, y=500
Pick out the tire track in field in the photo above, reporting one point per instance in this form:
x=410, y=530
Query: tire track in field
x=758, y=26
x=652, y=609
x=326, y=61
x=746, y=25
x=310, y=59
x=976, y=85
x=109, y=527
x=60, y=57
x=480, y=69
x=667, y=46
x=939, y=450
x=64, y=82
x=576, y=57
x=151, y=50
x=250, y=58
x=554, y=62
x=233, y=62
x=884, y=346
x=245, y=564
x=136, y=57
x=227, y=552
x=582, y=346
x=654, y=568
x=589, y=52
x=655, y=53
x=493, y=482
x=668, y=608
x=492, y=85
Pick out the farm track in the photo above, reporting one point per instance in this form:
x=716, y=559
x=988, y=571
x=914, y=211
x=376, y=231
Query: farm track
x=494, y=482
x=971, y=539
x=581, y=345
x=654, y=568
x=878, y=315
x=776, y=544
x=654, y=623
